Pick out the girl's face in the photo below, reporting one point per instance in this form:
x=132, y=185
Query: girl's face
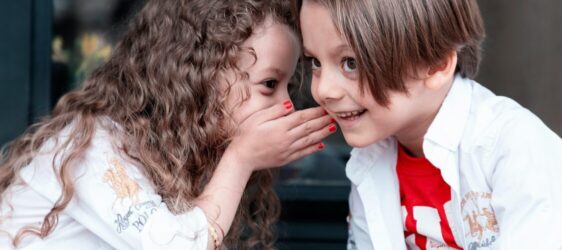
x=335, y=86
x=277, y=51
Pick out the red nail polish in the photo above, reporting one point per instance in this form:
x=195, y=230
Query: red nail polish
x=332, y=120
x=332, y=128
x=321, y=146
x=288, y=104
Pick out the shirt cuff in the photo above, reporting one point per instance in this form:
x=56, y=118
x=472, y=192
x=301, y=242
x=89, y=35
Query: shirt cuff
x=167, y=231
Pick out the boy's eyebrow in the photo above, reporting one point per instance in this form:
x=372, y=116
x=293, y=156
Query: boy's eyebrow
x=334, y=52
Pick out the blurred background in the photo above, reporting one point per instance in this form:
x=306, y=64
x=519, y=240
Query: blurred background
x=47, y=47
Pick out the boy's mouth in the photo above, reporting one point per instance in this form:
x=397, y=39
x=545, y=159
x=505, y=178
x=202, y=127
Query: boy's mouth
x=350, y=116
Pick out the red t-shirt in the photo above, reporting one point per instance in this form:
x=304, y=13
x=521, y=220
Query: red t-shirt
x=425, y=196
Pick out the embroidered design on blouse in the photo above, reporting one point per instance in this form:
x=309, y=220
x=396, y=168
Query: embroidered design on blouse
x=136, y=216
x=123, y=185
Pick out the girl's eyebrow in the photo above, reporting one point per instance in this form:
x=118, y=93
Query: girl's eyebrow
x=277, y=72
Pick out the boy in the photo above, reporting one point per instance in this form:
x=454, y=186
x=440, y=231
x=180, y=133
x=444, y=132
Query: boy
x=440, y=162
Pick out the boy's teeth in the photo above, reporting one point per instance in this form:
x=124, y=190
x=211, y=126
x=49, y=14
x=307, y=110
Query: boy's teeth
x=349, y=114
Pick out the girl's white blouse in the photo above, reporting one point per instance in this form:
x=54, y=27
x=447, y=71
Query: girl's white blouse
x=114, y=206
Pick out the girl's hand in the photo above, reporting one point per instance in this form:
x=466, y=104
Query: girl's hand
x=267, y=138
x=276, y=135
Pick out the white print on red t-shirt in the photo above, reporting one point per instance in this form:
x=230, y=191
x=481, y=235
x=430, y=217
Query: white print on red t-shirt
x=427, y=224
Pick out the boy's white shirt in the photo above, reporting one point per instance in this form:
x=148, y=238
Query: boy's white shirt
x=495, y=155
x=114, y=205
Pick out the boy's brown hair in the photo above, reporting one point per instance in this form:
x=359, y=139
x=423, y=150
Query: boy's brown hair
x=393, y=38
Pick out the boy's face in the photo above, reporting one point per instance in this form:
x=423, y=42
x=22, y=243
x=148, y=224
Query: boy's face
x=336, y=87
x=276, y=55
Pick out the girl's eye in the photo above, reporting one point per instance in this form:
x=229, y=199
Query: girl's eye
x=314, y=63
x=349, y=64
x=270, y=83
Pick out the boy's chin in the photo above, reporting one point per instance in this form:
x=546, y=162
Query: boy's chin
x=358, y=141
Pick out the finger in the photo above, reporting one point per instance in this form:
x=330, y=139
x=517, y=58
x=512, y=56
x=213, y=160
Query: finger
x=311, y=149
x=312, y=126
x=299, y=117
x=274, y=112
x=315, y=137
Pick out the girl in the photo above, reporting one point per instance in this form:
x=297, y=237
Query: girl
x=163, y=144
x=440, y=162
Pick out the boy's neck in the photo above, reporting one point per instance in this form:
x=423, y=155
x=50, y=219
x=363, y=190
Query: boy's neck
x=412, y=140
x=413, y=136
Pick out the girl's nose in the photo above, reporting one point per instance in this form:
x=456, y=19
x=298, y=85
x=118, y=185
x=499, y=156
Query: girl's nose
x=283, y=96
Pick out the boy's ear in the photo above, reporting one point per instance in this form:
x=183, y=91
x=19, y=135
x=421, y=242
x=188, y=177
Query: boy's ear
x=440, y=74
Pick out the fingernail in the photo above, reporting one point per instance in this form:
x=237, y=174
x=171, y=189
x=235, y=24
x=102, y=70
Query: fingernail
x=325, y=112
x=320, y=145
x=332, y=120
x=288, y=104
x=332, y=128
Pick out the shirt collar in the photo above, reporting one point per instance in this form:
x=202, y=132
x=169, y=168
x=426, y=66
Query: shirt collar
x=447, y=128
x=440, y=142
x=363, y=159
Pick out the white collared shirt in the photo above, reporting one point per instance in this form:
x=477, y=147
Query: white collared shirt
x=503, y=164
x=114, y=206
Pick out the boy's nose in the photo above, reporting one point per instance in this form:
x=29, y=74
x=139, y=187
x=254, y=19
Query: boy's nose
x=328, y=88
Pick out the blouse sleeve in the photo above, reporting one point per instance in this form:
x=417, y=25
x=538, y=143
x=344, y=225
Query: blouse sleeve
x=116, y=202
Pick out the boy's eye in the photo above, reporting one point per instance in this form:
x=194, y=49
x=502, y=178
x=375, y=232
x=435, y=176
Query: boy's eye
x=349, y=64
x=270, y=83
x=314, y=63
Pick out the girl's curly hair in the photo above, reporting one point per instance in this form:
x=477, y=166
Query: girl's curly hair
x=161, y=85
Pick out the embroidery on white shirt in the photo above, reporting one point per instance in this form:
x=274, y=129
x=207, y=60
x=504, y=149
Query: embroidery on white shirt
x=136, y=216
x=123, y=185
x=130, y=211
x=479, y=218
